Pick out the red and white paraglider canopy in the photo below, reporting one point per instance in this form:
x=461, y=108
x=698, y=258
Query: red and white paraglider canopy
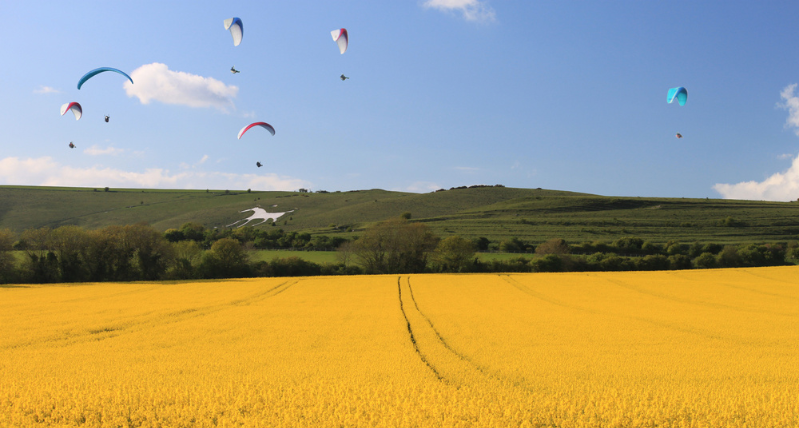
x=264, y=125
x=341, y=38
x=74, y=108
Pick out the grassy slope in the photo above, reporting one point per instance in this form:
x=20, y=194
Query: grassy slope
x=496, y=213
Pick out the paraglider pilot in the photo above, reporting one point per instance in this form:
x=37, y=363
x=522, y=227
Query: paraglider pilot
x=233, y=70
x=106, y=118
x=258, y=164
x=343, y=77
x=71, y=146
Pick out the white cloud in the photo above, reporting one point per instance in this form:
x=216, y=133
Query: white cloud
x=156, y=82
x=184, y=165
x=47, y=172
x=421, y=187
x=97, y=151
x=472, y=10
x=785, y=156
x=46, y=90
x=792, y=105
x=782, y=186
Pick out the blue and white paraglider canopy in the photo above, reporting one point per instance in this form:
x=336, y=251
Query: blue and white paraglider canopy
x=236, y=29
x=679, y=92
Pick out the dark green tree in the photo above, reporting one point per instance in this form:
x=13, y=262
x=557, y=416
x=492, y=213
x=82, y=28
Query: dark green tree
x=395, y=246
x=454, y=254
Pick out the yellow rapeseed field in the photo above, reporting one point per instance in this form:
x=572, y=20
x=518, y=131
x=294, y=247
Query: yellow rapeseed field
x=699, y=348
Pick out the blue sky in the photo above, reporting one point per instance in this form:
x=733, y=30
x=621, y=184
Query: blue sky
x=442, y=93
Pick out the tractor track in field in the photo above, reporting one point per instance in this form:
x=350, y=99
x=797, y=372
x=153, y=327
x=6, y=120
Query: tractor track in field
x=749, y=272
x=113, y=329
x=701, y=303
x=449, y=365
x=438, y=335
x=693, y=331
x=738, y=287
x=410, y=333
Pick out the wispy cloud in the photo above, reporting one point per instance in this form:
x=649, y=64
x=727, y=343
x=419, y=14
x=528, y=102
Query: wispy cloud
x=471, y=10
x=46, y=90
x=45, y=171
x=792, y=105
x=469, y=169
x=785, y=156
x=95, y=150
x=184, y=165
x=421, y=187
x=782, y=186
x=156, y=82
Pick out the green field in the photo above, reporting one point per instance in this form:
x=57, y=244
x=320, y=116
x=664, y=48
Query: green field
x=320, y=257
x=497, y=213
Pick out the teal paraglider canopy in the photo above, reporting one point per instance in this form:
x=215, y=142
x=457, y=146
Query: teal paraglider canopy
x=97, y=71
x=681, y=94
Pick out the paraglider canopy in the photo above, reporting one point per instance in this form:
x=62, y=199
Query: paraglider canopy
x=258, y=164
x=343, y=77
x=97, y=71
x=71, y=146
x=679, y=92
x=264, y=125
x=341, y=38
x=236, y=29
x=74, y=108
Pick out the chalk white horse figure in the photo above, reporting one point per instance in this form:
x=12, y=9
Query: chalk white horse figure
x=259, y=214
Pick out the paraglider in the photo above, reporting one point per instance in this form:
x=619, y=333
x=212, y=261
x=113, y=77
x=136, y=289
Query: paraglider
x=74, y=108
x=343, y=77
x=236, y=29
x=679, y=92
x=97, y=71
x=233, y=70
x=107, y=118
x=341, y=38
x=679, y=135
x=71, y=146
x=264, y=125
x=258, y=164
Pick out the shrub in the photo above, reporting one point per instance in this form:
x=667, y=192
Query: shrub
x=548, y=263
x=653, y=262
x=679, y=261
x=553, y=246
x=705, y=261
x=513, y=245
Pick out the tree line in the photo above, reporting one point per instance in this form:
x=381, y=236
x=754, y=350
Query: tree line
x=140, y=252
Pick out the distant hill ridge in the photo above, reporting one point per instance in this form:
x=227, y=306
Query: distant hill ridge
x=492, y=211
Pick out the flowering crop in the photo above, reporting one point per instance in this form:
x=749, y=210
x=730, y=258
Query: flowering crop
x=646, y=349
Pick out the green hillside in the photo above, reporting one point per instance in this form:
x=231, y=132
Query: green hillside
x=498, y=213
